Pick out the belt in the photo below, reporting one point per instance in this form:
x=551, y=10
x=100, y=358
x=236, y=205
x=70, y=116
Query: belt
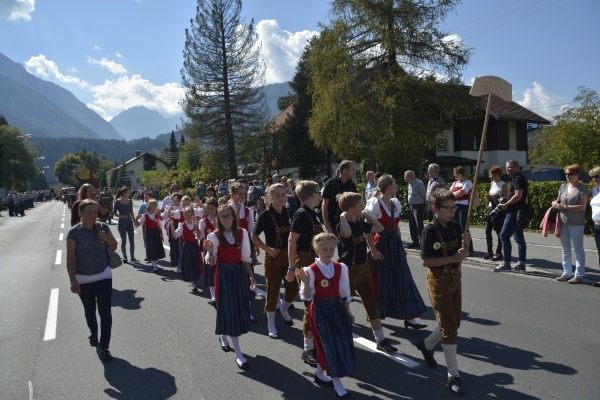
x=596, y=222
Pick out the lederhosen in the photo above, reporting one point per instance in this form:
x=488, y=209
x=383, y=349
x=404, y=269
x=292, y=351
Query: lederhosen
x=276, y=268
x=304, y=259
x=444, y=288
x=361, y=279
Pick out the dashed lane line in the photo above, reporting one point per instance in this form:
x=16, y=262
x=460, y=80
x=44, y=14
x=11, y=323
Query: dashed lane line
x=50, y=333
x=60, y=237
x=58, y=257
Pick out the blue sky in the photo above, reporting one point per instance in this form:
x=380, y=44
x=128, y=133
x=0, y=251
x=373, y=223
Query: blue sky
x=116, y=54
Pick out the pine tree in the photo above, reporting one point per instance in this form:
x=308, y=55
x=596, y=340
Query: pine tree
x=222, y=74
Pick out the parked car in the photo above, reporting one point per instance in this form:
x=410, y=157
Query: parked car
x=551, y=174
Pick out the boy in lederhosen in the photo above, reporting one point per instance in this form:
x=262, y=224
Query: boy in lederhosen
x=275, y=223
x=305, y=225
x=442, y=253
x=353, y=229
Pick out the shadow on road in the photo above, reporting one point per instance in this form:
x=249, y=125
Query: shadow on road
x=126, y=299
x=131, y=382
x=493, y=386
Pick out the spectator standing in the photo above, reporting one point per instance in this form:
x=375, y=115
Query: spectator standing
x=371, y=184
x=417, y=198
x=435, y=182
x=461, y=188
x=595, y=204
x=572, y=202
x=341, y=183
x=517, y=196
x=498, y=190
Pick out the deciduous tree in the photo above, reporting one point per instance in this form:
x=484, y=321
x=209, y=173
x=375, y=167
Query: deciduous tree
x=222, y=74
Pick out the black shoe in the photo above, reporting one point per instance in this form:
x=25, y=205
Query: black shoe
x=195, y=290
x=308, y=356
x=243, y=365
x=226, y=349
x=427, y=354
x=321, y=381
x=274, y=335
x=134, y=259
x=93, y=339
x=414, y=326
x=386, y=347
x=213, y=303
x=253, y=320
x=106, y=356
x=343, y=396
x=519, y=267
x=488, y=255
x=125, y=260
x=456, y=387
x=291, y=307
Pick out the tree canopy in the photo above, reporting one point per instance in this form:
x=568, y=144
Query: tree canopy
x=385, y=79
x=573, y=136
x=17, y=156
x=222, y=73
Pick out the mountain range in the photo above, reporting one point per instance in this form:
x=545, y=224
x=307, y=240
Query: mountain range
x=44, y=109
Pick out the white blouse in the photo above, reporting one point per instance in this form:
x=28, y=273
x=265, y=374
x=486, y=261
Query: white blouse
x=202, y=226
x=328, y=270
x=198, y=212
x=179, y=230
x=243, y=215
x=151, y=216
x=595, y=204
x=496, y=190
x=465, y=185
x=374, y=210
x=245, y=245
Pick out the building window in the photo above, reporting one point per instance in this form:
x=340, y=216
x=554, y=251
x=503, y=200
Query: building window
x=476, y=141
x=441, y=142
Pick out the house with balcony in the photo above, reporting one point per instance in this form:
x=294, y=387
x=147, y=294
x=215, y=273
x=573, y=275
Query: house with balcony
x=138, y=164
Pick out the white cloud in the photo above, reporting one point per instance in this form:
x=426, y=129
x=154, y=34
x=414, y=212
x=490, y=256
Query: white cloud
x=13, y=10
x=541, y=101
x=97, y=48
x=281, y=49
x=118, y=55
x=72, y=70
x=113, y=67
x=48, y=68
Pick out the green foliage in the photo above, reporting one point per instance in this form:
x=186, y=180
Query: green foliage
x=222, y=73
x=190, y=153
x=572, y=137
x=17, y=156
x=373, y=85
x=66, y=168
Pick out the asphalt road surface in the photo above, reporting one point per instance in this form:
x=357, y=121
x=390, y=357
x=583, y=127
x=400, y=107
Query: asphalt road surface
x=522, y=336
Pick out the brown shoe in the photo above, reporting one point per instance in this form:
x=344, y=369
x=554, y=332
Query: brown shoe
x=488, y=256
x=563, y=278
x=575, y=280
x=497, y=257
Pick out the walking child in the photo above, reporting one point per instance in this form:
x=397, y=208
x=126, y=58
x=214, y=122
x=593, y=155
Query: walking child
x=353, y=228
x=229, y=248
x=154, y=235
x=189, y=255
x=442, y=255
x=305, y=225
x=208, y=225
x=326, y=285
x=173, y=213
x=275, y=223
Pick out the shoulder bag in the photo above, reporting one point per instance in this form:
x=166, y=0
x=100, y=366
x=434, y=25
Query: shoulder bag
x=114, y=260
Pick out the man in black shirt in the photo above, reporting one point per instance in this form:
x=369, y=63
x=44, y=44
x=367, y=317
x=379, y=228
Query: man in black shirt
x=517, y=196
x=338, y=185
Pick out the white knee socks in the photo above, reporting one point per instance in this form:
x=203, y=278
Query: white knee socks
x=339, y=388
x=434, y=338
x=212, y=292
x=451, y=359
x=284, y=310
x=271, y=322
x=321, y=374
x=239, y=356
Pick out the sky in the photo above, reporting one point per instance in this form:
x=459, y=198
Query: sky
x=117, y=54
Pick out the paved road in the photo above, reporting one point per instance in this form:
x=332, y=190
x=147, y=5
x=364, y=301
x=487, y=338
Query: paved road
x=523, y=336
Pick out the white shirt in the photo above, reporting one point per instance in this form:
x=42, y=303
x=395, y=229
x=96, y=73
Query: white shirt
x=374, y=211
x=496, y=190
x=328, y=270
x=165, y=203
x=203, y=228
x=179, y=230
x=83, y=279
x=595, y=204
x=243, y=215
x=245, y=245
x=199, y=212
x=465, y=185
x=143, y=218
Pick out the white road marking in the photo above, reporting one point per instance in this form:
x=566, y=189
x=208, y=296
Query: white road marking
x=401, y=359
x=115, y=221
x=30, y=384
x=52, y=316
x=60, y=237
x=63, y=219
x=62, y=226
x=58, y=257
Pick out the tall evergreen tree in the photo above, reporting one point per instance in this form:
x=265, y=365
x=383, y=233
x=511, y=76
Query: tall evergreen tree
x=173, y=152
x=222, y=74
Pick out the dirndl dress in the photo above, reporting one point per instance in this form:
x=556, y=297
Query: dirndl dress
x=154, y=245
x=189, y=258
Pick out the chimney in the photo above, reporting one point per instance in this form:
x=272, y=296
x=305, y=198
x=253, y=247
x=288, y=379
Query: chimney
x=138, y=153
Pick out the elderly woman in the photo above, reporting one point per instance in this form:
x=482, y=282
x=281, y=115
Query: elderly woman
x=572, y=202
x=90, y=273
x=498, y=190
x=86, y=191
x=595, y=204
x=461, y=188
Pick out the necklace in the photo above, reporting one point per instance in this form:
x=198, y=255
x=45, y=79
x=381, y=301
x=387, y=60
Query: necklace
x=229, y=236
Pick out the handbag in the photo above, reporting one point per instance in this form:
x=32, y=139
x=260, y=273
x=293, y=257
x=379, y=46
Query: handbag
x=114, y=260
x=526, y=214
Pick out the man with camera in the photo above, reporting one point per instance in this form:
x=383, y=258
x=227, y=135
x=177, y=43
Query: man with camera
x=517, y=196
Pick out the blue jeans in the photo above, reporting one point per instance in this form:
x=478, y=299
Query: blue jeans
x=596, y=229
x=98, y=292
x=511, y=228
x=460, y=217
x=574, y=234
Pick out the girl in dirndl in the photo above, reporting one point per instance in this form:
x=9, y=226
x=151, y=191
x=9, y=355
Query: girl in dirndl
x=173, y=213
x=154, y=236
x=189, y=257
x=326, y=284
x=397, y=293
x=229, y=249
x=208, y=225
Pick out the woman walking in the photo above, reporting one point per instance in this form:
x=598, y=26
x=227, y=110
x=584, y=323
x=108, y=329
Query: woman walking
x=123, y=209
x=90, y=273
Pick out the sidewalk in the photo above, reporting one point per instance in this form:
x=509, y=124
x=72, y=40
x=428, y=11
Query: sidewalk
x=544, y=254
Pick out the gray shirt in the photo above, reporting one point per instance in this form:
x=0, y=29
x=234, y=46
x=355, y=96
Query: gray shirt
x=90, y=253
x=416, y=192
x=123, y=209
x=573, y=198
